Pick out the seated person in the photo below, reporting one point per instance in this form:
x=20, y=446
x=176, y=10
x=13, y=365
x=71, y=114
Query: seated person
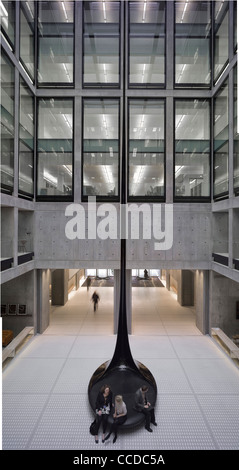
x=143, y=406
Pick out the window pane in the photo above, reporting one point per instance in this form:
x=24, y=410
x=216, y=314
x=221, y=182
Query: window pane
x=192, y=149
x=26, y=140
x=7, y=123
x=235, y=24
x=56, y=43
x=221, y=141
x=101, y=43
x=55, y=154
x=146, y=148
x=27, y=41
x=236, y=137
x=101, y=148
x=146, y=43
x=221, y=37
x=7, y=12
x=192, y=43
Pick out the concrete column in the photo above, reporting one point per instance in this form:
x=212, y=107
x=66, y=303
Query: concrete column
x=59, y=288
x=201, y=291
x=186, y=288
x=43, y=306
x=128, y=299
x=167, y=274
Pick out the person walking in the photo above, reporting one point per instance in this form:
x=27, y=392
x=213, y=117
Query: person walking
x=104, y=403
x=88, y=282
x=144, y=406
x=95, y=299
x=119, y=417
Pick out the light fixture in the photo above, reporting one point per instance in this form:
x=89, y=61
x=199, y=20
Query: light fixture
x=3, y=10
x=50, y=178
x=67, y=169
x=64, y=9
x=184, y=10
x=144, y=11
x=66, y=71
x=104, y=12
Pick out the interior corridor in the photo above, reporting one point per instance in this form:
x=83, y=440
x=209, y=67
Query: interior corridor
x=45, y=401
x=164, y=316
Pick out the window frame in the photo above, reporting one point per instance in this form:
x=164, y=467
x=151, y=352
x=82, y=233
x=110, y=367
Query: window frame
x=146, y=199
x=98, y=85
x=66, y=85
x=192, y=199
x=102, y=198
x=211, y=62
x=56, y=198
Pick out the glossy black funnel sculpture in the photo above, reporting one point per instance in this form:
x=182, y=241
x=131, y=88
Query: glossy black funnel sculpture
x=122, y=373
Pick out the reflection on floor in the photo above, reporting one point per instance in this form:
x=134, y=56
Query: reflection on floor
x=152, y=281
x=164, y=316
x=45, y=402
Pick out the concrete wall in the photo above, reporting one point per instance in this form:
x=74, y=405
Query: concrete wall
x=191, y=241
x=220, y=232
x=21, y=290
x=224, y=293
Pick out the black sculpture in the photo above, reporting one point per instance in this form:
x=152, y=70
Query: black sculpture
x=124, y=374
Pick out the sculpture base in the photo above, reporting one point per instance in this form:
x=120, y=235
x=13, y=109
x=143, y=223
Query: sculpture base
x=123, y=381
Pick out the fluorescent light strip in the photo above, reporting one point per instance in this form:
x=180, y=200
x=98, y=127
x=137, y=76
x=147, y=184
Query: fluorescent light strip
x=104, y=11
x=3, y=9
x=64, y=9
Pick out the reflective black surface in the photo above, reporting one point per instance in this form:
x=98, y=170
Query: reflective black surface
x=122, y=373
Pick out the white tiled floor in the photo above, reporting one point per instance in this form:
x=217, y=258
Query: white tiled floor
x=45, y=403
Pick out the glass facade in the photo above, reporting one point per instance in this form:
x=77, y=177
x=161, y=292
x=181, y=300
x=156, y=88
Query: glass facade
x=7, y=13
x=101, y=148
x=146, y=148
x=146, y=43
x=221, y=36
x=146, y=82
x=236, y=138
x=7, y=124
x=55, y=148
x=101, y=43
x=26, y=141
x=193, y=43
x=192, y=149
x=221, y=151
x=27, y=37
x=56, y=43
